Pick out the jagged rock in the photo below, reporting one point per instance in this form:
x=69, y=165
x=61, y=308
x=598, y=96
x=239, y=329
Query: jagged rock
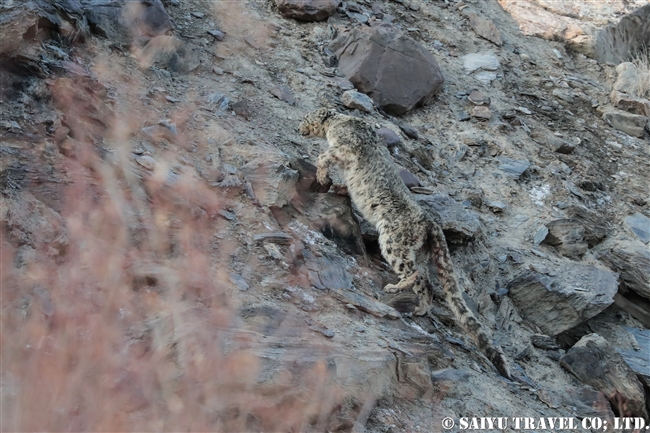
x=556, y=304
x=170, y=53
x=556, y=144
x=121, y=20
x=276, y=238
x=394, y=70
x=595, y=226
x=639, y=224
x=241, y=108
x=631, y=104
x=326, y=272
x=220, y=36
x=353, y=99
x=30, y=222
x=540, y=235
x=512, y=167
x=544, y=342
x=366, y=304
x=629, y=37
x=537, y=20
x=635, y=308
x=410, y=131
x=632, y=343
x=596, y=363
x=283, y=93
x=567, y=235
x=481, y=112
x=458, y=223
x=307, y=10
x=18, y=18
x=485, y=28
x=631, y=124
x=637, y=355
x=272, y=180
x=632, y=261
x=307, y=177
x=388, y=137
x=117, y=20
x=332, y=215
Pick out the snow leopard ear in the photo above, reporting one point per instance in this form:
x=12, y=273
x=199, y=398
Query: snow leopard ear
x=329, y=113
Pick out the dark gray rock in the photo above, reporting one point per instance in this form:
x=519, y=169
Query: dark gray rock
x=596, y=227
x=366, y=304
x=332, y=215
x=458, y=223
x=556, y=304
x=596, y=363
x=326, y=272
x=394, y=70
x=307, y=10
x=217, y=34
x=409, y=178
x=307, y=182
x=639, y=224
x=624, y=41
x=632, y=261
x=544, y=342
x=121, y=20
x=239, y=281
x=388, y=137
x=587, y=401
x=567, y=236
x=632, y=343
x=637, y=357
x=410, y=131
x=512, y=167
x=540, y=235
x=283, y=93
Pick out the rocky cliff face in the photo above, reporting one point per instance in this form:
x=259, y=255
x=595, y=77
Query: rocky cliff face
x=170, y=263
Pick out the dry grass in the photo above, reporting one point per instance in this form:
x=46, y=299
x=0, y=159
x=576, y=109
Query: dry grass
x=642, y=63
x=117, y=316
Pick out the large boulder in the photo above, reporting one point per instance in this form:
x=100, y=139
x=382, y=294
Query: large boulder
x=307, y=10
x=632, y=261
x=558, y=303
x=624, y=41
x=575, y=22
x=631, y=124
x=393, y=69
x=595, y=362
x=120, y=20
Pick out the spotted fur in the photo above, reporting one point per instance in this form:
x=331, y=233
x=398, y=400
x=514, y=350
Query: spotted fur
x=409, y=239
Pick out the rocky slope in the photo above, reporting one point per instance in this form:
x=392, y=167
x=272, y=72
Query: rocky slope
x=169, y=262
